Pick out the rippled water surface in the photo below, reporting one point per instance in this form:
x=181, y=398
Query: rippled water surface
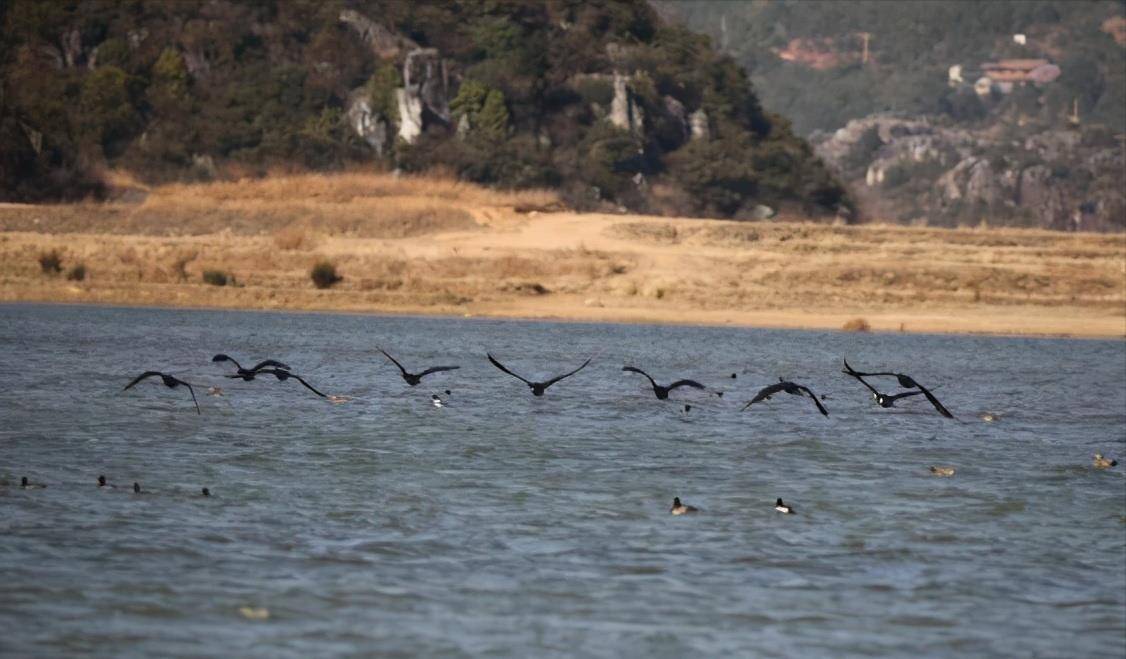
x=513, y=525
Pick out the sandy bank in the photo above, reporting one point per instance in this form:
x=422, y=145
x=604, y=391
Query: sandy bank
x=434, y=246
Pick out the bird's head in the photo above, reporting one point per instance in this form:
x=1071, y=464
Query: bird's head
x=137, y=488
x=206, y=492
x=101, y=481
x=23, y=481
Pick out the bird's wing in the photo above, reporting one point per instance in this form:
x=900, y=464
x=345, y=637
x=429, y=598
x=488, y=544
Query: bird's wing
x=226, y=358
x=820, y=407
x=904, y=394
x=142, y=376
x=860, y=379
x=634, y=369
x=501, y=367
x=686, y=383
x=307, y=385
x=269, y=362
x=766, y=393
x=857, y=374
x=437, y=369
x=192, y=392
x=934, y=401
x=393, y=360
x=557, y=378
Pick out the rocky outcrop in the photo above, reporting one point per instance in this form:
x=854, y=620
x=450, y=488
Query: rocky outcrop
x=625, y=112
x=368, y=125
x=426, y=77
x=923, y=170
x=699, y=126
x=410, y=115
x=384, y=43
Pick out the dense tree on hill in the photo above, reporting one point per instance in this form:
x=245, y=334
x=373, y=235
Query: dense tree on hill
x=535, y=95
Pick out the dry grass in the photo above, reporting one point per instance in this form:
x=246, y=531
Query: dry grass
x=433, y=244
x=857, y=325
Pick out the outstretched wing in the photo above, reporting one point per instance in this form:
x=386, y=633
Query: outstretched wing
x=904, y=394
x=226, y=358
x=904, y=380
x=766, y=393
x=501, y=367
x=307, y=385
x=686, y=383
x=634, y=369
x=269, y=362
x=858, y=377
x=934, y=401
x=142, y=376
x=809, y=392
x=437, y=369
x=192, y=392
x=393, y=360
x=557, y=378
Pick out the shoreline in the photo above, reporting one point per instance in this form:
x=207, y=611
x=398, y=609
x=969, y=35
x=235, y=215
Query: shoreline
x=422, y=313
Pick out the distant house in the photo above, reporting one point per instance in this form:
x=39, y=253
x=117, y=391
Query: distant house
x=1004, y=74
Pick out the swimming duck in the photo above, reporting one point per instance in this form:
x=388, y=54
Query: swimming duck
x=437, y=402
x=783, y=508
x=137, y=488
x=1104, y=463
x=679, y=508
x=102, y=482
x=28, y=485
x=206, y=492
x=945, y=472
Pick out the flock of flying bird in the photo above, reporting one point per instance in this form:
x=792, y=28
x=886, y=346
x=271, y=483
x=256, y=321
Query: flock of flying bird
x=282, y=372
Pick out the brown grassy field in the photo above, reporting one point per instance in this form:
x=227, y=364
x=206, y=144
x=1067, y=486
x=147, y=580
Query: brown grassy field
x=433, y=245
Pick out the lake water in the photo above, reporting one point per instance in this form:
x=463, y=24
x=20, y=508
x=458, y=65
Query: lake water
x=511, y=525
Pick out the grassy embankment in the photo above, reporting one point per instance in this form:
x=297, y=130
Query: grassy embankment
x=432, y=245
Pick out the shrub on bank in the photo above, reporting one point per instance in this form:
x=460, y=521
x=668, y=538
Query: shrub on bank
x=51, y=263
x=324, y=274
x=77, y=273
x=217, y=277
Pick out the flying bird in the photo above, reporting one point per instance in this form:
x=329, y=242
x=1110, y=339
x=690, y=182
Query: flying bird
x=249, y=371
x=414, y=378
x=790, y=388
x=169, y=381
x=662, y=393
x=905, y=381
x=883, y=400
x=537, y=387
x=283, y=376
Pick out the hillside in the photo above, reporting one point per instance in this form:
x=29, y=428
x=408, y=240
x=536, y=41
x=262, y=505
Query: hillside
x=601, y=100
x=430, y=245
x=805, y=57
x=943, y=112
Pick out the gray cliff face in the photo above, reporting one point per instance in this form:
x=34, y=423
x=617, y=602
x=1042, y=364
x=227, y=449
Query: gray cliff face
x=923, y=171
x=424, y=96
